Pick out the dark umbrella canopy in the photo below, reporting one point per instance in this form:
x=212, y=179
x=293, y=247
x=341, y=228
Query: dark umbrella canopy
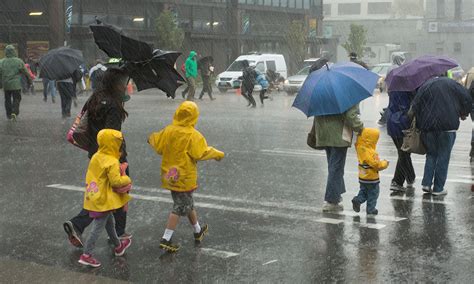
x=157, y=73
x=116, y=45
x=60, y=63
x=414, y=73
x=205, y=60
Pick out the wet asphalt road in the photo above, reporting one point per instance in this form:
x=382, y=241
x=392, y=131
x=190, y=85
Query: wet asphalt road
x=262, y=202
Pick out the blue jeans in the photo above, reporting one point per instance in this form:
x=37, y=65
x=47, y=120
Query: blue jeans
x=49, y=86
x=335, y=186
x=438, y=147
x=368, y=192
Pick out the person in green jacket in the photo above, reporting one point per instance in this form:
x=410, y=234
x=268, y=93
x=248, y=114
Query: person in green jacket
x=11, y=69
x=333, y=133
x=191, y=74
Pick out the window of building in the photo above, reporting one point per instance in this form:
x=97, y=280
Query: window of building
x=440, y=9
x=348, y=9
x=440, y=51
x=457, y=47
x=380, y=8
x=457, y=9
x=327, y=9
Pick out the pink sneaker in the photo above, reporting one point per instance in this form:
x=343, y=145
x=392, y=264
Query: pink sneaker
x=124, y=244
x=87, y=259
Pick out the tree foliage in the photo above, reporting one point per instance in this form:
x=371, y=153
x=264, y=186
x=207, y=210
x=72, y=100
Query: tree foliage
x=296, y=40
x=357, y=39
x=170, y=36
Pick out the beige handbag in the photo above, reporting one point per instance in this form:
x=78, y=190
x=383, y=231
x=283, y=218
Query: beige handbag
x=412, y=142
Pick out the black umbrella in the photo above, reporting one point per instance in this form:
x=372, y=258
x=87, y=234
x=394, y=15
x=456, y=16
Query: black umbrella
x=110, y=40
x=205, y=60
x=159, y=72
x=60, y=63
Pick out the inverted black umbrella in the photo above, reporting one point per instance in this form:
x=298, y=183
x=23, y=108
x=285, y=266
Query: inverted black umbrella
x=205, y=60
x=159, y=72
x=60, y=63
x=110, y=40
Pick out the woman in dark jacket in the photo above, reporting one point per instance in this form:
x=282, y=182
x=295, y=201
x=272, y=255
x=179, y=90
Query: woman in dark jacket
x=397, y=121
x=105, y=109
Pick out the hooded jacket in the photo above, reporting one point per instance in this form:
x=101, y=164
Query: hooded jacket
x=103, y=175
x=397, y=114
x=182, y=147
x=191, y=65
x=11, y=69
x=369, y=161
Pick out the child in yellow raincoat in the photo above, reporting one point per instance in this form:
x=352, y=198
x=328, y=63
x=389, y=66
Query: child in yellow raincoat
x=106, y=191
x=182, y=146
x=369, y=167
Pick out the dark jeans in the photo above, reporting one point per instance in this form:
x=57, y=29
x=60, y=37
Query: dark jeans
x=247, y=94
x=12, y=102
x=66, y=92
x=335, y=187
x=438, y=152
x=404, y=170
x=206, y=86
x=368, y=192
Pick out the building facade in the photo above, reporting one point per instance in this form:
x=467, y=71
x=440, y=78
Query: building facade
x=221, y=28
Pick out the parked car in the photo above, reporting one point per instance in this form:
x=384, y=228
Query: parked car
x=264, y=62
x=293, y=84
x=382, y=70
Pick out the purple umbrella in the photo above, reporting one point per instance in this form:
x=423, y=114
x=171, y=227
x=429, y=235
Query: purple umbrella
x=414, y=73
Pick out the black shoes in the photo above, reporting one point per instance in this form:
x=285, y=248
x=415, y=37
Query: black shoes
x=198, y=237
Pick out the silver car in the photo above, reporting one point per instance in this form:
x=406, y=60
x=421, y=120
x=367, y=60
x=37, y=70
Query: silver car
x=293, y=84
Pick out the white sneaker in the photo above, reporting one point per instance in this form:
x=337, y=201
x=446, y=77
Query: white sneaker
x=330, y=207
x=410, y=186
x=426, y=189
x=396, y=187
x=438, y=193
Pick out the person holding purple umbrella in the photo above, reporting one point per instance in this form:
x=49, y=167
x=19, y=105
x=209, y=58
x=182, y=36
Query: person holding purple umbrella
x=437, y=107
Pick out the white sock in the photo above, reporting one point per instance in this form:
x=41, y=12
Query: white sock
x=168, y=234
x=197, y=228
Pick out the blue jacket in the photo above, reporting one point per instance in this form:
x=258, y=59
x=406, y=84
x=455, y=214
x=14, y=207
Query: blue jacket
x=397, y=113
x=262, y=81
x=439, y=103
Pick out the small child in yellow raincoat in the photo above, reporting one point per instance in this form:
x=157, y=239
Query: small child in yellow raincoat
x=106, y=191
x=369, y=167
x=182, y=146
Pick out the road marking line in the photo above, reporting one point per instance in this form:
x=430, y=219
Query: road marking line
x=352, y=156
x=330, y=221
x=296, y=207
x=372, y=226
x=219, y=253
x=270, y=262
x=404, y=198
x=265, y=213
x=376, y=218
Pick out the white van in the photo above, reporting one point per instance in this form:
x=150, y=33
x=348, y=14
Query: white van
x=264, y=62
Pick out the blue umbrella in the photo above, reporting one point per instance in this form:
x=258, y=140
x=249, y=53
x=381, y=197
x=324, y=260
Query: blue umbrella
x=335, y=89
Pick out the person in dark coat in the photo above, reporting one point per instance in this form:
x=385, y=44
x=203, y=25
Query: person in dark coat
x=206, y=71
x=248, y=83
x=437, y=107
x=105, y=110
x=397, y=121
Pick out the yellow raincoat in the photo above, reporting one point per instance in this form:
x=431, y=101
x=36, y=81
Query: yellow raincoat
x=181, y=147
x=103, y=174
x=369, y=161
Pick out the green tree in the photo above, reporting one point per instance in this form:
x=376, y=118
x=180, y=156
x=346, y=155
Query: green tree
x=170, y=36
x=357, y=40
x=295, y=38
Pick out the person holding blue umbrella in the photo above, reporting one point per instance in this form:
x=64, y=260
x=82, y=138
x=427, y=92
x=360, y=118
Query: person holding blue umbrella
x=332, y=96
